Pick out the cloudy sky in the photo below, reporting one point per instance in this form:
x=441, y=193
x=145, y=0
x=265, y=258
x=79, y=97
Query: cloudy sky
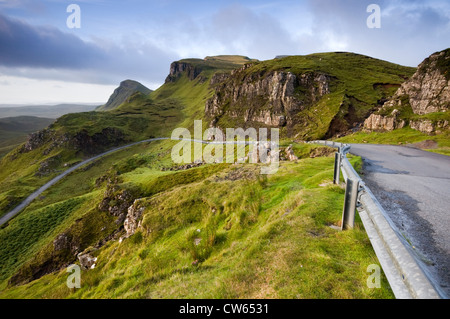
x=42, y=60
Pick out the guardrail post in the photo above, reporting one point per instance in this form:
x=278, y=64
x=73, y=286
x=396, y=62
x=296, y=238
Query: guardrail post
x=351, y=196
x=337, y=167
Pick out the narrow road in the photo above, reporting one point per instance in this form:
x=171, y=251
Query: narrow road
x=30, y=198
x=413, y=186
x=50, y=183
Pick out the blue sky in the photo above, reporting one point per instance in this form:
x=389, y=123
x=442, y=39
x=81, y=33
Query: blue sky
x=44, y=61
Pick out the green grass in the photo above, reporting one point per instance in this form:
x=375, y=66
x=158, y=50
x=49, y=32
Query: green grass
x=228, y=232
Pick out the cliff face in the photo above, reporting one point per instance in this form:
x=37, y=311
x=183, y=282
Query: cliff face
x=307, y=97
x=177, y=68
x=271, y=98
x=426, y=92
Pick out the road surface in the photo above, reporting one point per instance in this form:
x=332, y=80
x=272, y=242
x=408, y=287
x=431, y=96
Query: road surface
x=413, y=186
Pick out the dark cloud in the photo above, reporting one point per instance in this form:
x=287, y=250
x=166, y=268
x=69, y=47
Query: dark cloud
x=23, y=45
x=47, y=52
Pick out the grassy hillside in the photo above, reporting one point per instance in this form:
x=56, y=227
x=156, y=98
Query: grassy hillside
x=213, y=231
x=15, y=130
x=225, y=232
x=358, y=85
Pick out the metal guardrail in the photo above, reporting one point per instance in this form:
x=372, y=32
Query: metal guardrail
x=404, y=274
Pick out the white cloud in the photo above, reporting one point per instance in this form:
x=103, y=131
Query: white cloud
x=24, y=91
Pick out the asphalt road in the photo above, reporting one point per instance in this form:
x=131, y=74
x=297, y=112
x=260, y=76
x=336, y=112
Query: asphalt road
x=413, y=186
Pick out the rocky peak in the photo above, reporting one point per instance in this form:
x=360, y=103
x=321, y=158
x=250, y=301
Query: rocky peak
x=122, y=93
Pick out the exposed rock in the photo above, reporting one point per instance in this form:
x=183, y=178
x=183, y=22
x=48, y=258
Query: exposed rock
x=86, y=259
x=269, y=98
x=427, y=91
x=429, y=88
x=376, y=122
x=322, y=152
x=116, y=201
x=177, y=68
x=48, y=165
x=428, y=126
x=132, y=221
x=290, y=153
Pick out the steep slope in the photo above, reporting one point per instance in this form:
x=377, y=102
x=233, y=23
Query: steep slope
x=313, y=96
x=422, y=102
x=122, y=93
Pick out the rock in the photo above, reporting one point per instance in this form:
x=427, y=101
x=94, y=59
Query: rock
x=86, y=259
x=132, y=221
x=178, y=68
x=429, y=88
x=376, y=122
x=268, y=98
x=428, y=126
x=290, y=153
x=427, y=91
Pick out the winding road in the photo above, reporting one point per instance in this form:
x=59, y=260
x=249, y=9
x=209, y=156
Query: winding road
x=413, y=186
x=53, y=181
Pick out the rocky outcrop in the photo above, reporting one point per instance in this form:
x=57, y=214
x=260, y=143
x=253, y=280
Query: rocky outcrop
x=427, y=91
x=290, y=154
x=271, y=98
x=83, y=141
x=429, y=88
x=428, y=126
x=133, y=219
x=178, y=68
x=376, y=122
x=86, y=258
x=116, y=201
x=122, y=93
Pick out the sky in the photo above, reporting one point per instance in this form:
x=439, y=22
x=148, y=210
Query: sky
x=45, y=60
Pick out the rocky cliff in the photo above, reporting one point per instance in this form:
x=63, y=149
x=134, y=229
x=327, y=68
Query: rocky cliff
x=425, y=93
x=270, y=98
x=307, y=97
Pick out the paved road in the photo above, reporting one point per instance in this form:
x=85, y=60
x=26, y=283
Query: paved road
x=413, y=186
x=30, y=198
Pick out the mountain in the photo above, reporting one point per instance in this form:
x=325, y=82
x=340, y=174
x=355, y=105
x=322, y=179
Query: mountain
x=141, y=226
x=122, y=93
x=422, y=102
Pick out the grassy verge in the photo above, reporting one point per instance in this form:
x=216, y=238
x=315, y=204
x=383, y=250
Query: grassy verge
x=231, y=233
